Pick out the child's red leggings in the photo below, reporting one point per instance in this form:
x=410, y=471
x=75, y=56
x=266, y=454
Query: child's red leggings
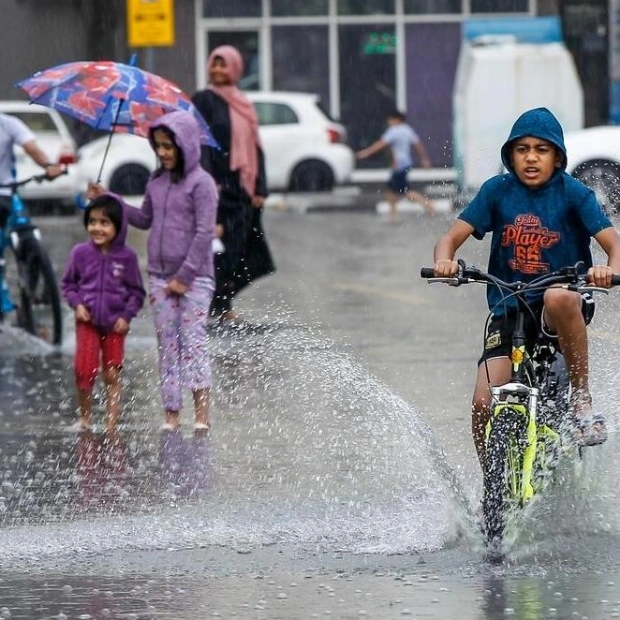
x=89, y=342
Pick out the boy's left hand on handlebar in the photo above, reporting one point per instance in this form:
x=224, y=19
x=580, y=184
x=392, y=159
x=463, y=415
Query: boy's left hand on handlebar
x=600, y=275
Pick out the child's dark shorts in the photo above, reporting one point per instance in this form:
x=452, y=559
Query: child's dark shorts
x=498, y=339
x=398, y=181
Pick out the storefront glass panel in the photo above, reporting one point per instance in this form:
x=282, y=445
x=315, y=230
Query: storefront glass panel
x=365, y=7
x=499, y=6
x=294, y=8
x=425, y=7
x=367, y=84
x=293, y=67
x=232, y=8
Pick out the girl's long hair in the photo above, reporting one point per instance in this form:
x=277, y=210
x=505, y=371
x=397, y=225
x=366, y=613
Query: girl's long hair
x=177, y=173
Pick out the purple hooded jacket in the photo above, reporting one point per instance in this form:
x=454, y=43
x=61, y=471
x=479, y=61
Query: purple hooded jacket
x=109, y=284
x=180, y=215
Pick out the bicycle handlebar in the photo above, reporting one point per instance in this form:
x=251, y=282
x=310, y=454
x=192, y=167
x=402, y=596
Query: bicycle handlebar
x=467, y=275
x=39, y=178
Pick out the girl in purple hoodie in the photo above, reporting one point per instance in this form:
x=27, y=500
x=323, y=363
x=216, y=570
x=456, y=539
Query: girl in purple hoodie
x=179, y=210
x=102, y=284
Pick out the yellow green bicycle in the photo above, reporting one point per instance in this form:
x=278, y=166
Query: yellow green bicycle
x=525, y=436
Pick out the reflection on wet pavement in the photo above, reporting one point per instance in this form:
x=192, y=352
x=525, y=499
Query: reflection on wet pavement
x=321, y=491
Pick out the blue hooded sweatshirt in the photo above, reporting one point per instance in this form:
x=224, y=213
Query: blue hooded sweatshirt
x=109, y=284
x=534, y=231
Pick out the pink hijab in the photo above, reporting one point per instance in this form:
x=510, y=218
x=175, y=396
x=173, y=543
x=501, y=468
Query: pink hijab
x=244, y=140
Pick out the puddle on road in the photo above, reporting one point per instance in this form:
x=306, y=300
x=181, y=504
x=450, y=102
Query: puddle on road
x=307, y=449
x=309, y=453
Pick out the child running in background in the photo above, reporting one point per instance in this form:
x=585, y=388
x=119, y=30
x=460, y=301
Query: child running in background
x=102, y=284
x=400, y=138
x=179, y=209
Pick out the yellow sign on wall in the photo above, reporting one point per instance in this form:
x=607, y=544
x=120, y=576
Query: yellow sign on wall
x=150, y=23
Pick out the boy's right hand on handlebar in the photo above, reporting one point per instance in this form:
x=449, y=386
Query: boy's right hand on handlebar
x=446, y=268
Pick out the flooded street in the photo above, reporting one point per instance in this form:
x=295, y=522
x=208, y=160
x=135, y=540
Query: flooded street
x=339, y=479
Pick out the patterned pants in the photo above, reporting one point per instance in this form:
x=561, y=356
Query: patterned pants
x=181, y=327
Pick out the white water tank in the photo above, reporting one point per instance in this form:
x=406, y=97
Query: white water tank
x=498, y=78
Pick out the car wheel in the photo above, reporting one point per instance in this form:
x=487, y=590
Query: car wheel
x=603, y=177
x=312, y=176
x=129, y=180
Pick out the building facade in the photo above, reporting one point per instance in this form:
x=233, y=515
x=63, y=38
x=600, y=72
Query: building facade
x=363, y=57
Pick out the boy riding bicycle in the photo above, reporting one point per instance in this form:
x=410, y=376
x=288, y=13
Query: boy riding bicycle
x=541, y=220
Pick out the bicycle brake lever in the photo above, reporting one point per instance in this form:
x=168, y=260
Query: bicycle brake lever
x=596, y=289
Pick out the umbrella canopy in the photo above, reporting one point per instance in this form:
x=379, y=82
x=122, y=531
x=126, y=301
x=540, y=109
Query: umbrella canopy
x=111, y=96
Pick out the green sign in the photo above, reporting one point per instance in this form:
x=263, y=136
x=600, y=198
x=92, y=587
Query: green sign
x=380, y=43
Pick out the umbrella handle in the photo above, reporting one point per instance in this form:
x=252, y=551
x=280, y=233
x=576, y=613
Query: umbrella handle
x=107, y=146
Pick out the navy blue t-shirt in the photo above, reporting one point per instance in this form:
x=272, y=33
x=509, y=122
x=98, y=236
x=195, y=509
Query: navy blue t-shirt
x=533, y=231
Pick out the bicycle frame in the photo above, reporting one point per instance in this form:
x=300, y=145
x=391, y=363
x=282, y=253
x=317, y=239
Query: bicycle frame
x=37, y=303
x=18, y=225
x=517, y=435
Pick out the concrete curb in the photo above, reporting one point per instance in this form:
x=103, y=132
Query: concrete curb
x=339, y=201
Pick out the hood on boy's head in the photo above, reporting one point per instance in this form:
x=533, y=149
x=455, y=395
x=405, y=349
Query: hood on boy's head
x=186, y=134
x=538, y=123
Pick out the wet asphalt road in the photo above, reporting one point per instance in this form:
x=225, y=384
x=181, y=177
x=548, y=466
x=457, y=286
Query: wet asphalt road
x=339, y=479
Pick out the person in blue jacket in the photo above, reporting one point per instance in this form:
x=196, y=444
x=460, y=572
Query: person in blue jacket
x=541, y=220
x=103, y=285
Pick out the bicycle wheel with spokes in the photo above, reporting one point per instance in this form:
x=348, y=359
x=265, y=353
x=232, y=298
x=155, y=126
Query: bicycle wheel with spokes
x=503, y=457
x=38, y=298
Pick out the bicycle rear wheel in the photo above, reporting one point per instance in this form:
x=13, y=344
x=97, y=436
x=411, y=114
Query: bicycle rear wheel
x=38, y=298
x=503, y=458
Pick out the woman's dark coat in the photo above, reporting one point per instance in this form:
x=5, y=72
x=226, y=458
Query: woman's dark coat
x=246, y=256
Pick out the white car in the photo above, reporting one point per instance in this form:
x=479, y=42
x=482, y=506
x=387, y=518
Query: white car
x=594, y=158
x=304, y=149
x=129, y=162
x=53, y=137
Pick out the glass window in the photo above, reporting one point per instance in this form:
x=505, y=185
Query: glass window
x=499, y=6
x=293, y=8
x=367, y=84
x=232, y=8
x=36, y=121
x=432, y=6
x=246, y=41
x=275, y=113
x=293, y=67
x=365, y=7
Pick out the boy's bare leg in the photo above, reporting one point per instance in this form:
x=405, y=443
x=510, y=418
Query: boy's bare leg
x=425, y=201
x=85, y=403
x=112, y=380
x=498, y=373
x=392, y=198
x=201, y=406
x=563, y=315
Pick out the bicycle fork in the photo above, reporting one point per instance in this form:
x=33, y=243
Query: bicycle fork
x=521, y=402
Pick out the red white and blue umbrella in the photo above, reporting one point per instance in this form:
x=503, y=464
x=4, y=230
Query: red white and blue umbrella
x=111, y=96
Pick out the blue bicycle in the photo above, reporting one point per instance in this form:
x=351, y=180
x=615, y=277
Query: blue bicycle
x=28, y=284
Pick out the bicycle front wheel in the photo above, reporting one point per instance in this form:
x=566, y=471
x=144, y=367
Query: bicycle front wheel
x=502, y=475
x=38, y=300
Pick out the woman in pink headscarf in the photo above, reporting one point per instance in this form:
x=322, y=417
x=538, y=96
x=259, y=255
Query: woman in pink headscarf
x=238, y=169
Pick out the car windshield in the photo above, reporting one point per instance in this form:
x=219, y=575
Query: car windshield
x=36, y=121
